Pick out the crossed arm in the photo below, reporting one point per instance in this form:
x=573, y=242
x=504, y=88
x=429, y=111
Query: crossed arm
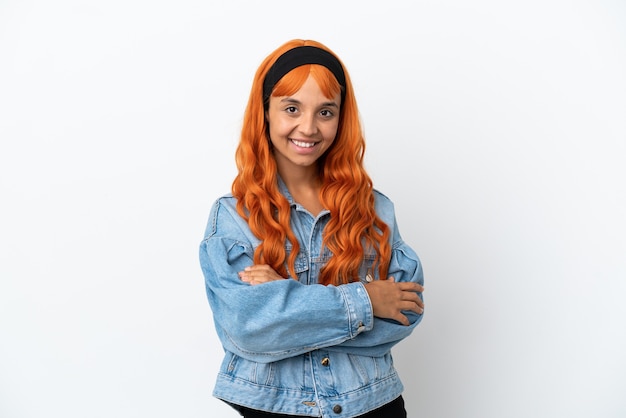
x=388, y=297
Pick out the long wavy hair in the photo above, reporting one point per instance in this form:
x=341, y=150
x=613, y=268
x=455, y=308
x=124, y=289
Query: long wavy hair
x=353, y=229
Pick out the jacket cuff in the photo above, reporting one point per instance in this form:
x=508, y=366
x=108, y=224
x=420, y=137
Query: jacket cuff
x=359, y=307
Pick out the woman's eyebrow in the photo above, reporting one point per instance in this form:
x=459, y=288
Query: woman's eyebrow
x=290, y=100
x=329, y=104
x=296, y=101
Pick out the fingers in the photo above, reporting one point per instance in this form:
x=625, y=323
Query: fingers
x=258, y=274
x=391, y=299
x=413, y=302
x=408, y=286
x=402, y=319
x=416, y=307
x=410, y=292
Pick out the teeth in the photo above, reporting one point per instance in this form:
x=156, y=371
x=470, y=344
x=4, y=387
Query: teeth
x=303, y=144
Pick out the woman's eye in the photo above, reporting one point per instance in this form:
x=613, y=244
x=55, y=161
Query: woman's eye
x=326, y=113
x=291, y=109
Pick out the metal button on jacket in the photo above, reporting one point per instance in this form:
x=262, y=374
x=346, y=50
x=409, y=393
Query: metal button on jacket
x=337, y=409
x=325, y=361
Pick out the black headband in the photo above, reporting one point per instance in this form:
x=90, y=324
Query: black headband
x=297, y=57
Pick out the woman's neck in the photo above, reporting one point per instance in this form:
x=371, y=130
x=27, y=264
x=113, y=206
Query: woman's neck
x=304, y=186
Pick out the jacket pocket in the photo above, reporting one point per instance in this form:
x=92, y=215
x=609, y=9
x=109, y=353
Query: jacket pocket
x=301, y=265
x=370, y=369
x=257, y=373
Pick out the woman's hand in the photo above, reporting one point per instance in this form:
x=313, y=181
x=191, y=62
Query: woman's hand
x=389, y=299
x=259, y=273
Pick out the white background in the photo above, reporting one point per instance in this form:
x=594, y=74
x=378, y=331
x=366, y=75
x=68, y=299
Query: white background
x=498, y=129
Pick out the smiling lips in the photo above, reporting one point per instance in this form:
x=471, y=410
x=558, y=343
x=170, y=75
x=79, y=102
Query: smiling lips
x=303, y=144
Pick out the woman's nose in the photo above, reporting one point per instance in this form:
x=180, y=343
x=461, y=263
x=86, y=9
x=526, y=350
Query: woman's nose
x=308, y=125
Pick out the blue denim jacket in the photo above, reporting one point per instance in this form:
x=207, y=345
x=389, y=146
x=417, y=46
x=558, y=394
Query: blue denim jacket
x=293, y=346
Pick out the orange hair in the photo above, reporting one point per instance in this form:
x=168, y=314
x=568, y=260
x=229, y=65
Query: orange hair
x=354, y=229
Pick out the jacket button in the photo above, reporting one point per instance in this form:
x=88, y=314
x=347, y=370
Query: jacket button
x=325, y=361
x=337, y=409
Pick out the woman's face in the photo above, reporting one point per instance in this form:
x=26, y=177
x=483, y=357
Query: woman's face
x=302, y=127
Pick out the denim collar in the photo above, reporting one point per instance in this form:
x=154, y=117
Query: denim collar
x=295, y=205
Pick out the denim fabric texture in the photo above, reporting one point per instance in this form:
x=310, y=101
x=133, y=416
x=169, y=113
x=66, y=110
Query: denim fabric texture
x=293, y=346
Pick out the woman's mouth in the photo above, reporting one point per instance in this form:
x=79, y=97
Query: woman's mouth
x=303, y=144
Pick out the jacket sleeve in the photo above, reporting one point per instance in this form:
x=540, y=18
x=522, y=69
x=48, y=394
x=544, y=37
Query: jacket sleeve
x=275, y=320
x=405, y=266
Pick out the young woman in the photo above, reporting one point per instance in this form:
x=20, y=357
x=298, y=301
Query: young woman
x=308, y=279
